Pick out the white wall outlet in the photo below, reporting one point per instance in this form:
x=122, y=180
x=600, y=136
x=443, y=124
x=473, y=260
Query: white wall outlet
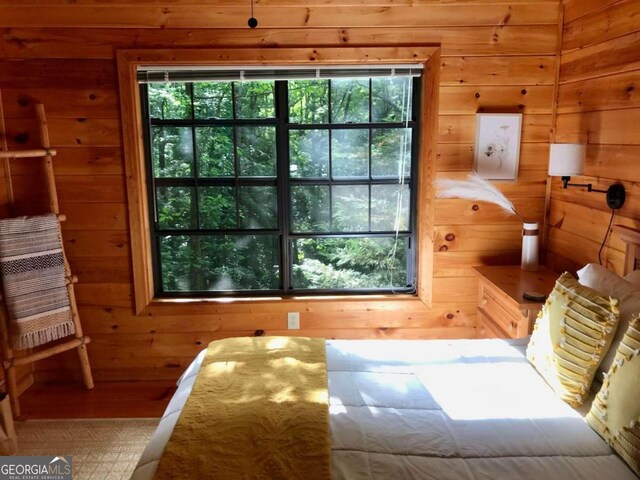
x=293, y=320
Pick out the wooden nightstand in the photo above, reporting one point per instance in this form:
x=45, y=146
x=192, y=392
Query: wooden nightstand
x=502, y=310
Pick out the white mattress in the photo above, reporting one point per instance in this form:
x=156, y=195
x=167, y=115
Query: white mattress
x=439, y=409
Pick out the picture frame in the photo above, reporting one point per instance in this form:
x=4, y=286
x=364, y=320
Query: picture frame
x=497, y=148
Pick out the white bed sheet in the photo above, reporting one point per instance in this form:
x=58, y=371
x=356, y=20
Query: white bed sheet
x=439, y=409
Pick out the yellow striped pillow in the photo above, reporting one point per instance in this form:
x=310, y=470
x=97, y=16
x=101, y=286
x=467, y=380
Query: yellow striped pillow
x=572, y=334
x=615, y=412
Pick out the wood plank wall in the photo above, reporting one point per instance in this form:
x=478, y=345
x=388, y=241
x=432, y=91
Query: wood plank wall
x=599, y=104
x=496, y=55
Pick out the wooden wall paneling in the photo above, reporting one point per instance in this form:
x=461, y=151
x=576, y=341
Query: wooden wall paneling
x=96, y=243
x=381, y=55
x=69, y=132
x=280, y=3
x=612, y=127
x=613, y=21
x=467, y=212
x=492, y=51
x=455, y=156
x=604, y=93
x=588, y=222
x=78, y=188
x=560, y=264
x=47, y=73
x=607, y=58
x=582, y=250
x=459, y=264
x=62, y=102
x=331, y=304
x=574, y=9
x=471, y=99
x=122, y=320
x=86, y=216
x=477, y=238
x=598, y=105
x=100, y=43
x=456, y=289
x=214, y=16
x=96, y=269
x=77, y=161
x=613, y=161
x=497, y=70
x=106, y=295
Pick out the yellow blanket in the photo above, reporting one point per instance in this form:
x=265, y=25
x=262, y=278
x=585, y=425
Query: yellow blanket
x=258, y=411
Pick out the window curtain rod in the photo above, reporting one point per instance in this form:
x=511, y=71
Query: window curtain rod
x=168, y=74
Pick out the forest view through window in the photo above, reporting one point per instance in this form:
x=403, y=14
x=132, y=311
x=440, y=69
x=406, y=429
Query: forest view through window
x=282, y=186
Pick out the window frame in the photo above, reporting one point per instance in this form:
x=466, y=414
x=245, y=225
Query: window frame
x=283, y=182
x=145, y=299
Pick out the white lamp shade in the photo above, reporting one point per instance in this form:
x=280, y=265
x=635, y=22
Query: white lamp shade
x=567, y=159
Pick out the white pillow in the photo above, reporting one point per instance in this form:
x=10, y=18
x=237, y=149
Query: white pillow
x=608, y=283
x=634, y=277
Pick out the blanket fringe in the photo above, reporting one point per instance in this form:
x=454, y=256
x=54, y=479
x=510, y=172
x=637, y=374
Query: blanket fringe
x=46, y=335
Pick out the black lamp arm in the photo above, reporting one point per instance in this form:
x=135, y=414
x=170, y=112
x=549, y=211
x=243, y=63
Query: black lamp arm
x=616, y=194
x=588, y=186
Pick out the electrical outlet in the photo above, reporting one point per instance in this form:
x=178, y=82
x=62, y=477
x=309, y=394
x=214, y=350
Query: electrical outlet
x=293, y=320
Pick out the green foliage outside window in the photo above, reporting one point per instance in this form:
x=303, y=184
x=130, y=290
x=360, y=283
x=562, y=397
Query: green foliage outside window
x=217, y=175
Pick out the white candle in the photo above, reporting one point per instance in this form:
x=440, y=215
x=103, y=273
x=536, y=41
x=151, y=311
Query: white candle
x=530, y=246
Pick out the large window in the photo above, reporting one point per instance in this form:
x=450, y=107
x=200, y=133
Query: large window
x=282, y=186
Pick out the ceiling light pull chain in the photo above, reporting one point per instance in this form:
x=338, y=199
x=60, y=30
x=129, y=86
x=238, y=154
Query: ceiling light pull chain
x=253, y=21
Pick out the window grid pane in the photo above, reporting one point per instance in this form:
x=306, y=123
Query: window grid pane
x=325, y=200
x=358, y=272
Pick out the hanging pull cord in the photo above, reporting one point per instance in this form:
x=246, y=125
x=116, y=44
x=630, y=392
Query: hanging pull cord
x=407, y=97
x=252, y=22
x=604, y=240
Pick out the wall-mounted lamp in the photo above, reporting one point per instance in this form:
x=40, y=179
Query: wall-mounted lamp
x=567, y=159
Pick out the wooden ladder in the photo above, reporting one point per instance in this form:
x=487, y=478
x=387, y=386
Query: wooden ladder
x=9, y=360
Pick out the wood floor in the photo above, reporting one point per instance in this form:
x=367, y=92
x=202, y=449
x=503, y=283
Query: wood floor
x=106, y=400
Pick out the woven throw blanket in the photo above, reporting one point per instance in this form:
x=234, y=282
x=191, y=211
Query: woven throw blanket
x=258, y=410
x=33, y=280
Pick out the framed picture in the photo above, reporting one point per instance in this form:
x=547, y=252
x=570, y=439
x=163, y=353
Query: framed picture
x=497, y=151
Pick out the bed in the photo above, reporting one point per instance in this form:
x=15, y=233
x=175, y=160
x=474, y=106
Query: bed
x=439, y=409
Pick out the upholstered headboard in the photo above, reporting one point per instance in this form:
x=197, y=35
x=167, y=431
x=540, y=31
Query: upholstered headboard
x=631, y=237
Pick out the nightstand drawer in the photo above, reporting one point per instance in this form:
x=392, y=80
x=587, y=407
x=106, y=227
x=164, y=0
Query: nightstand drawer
x=509, y=320
x=502, y=308
x=486, y=329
